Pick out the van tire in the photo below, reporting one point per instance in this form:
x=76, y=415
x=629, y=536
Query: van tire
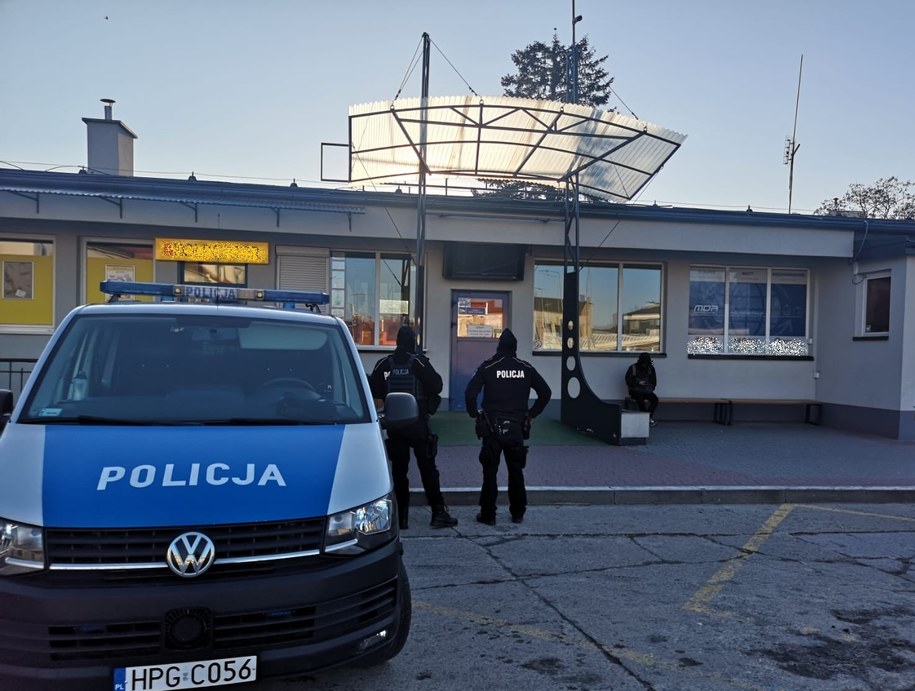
x=405, y=602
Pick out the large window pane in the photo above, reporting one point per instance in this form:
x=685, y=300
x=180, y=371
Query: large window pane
x=598, y=287
x=353, y=283
x=747, y=302
x=547, y=307
x=396, y=285
x=641, y=308
x=788, y=307
x=706, y=310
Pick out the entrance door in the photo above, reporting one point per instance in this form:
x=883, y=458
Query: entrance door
x=477, y=320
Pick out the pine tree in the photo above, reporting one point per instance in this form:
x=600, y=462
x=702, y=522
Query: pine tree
x=541, y=73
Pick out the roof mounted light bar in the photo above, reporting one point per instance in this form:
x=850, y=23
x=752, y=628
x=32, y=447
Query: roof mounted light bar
x=218, y=294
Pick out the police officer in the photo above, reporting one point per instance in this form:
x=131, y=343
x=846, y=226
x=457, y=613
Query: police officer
x=504, y=422
x=411, y=372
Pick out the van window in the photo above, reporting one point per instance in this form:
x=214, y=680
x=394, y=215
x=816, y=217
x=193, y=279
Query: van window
x=187, y=369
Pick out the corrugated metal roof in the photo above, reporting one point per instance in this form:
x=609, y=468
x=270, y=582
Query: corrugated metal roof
x=508, y=138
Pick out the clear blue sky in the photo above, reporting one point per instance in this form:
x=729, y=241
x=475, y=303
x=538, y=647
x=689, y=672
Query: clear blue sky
x=247, y=91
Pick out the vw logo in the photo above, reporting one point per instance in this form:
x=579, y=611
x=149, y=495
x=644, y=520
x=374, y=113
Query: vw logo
x=190, y=554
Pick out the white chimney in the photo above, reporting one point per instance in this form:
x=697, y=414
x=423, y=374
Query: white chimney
x=110, y=144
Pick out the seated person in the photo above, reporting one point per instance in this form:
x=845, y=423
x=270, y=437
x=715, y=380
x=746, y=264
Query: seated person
x=641, y=379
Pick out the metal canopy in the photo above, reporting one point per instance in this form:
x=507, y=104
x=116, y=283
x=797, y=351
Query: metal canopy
x=509, y=139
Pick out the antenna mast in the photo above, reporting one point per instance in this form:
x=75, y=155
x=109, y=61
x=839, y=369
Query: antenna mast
x=791, y=145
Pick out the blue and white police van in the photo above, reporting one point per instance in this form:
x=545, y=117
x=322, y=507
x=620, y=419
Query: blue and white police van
x=196, y=494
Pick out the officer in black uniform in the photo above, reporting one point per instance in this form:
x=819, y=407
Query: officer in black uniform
x=504, y=422
x=411, y=372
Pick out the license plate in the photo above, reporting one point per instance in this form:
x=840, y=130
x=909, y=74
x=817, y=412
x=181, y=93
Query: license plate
x=186, y=675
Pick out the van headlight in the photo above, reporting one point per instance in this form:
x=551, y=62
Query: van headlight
x=21, y=548
x=360, y=529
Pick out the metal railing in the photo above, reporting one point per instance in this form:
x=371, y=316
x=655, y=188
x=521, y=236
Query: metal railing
x=14, y=372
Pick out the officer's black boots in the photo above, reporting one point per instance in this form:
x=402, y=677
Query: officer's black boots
x=404, y=520
x=441, y=518
x=486, y=520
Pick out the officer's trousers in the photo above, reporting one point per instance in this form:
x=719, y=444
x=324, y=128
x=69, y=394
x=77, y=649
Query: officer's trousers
x=398, y=446
x=515, y=458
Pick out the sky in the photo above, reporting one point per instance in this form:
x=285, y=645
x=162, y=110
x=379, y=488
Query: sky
x=248, y=91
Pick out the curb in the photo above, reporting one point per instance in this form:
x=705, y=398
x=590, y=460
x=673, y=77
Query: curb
x=469, y=496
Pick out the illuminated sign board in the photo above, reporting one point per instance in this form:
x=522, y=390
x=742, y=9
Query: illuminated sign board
x=212, y=251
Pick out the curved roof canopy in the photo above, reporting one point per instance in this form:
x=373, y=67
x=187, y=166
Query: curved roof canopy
x=510, y=139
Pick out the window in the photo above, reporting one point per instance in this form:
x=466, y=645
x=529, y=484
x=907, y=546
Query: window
x=27, y=301
x=619, y=307
x=877, y=305
x=116, y=261
x=215, y=274
x=373, y=293
x=747, y=311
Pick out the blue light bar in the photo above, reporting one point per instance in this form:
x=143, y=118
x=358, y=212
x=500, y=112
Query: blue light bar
x=212, y=293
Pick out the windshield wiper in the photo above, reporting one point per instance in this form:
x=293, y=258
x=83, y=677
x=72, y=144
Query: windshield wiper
x=87, y=420
x=267, y=421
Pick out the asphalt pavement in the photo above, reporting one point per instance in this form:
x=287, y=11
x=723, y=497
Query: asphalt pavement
x=686, y=462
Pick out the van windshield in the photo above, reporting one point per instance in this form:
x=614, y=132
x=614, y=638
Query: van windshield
x=196, y=369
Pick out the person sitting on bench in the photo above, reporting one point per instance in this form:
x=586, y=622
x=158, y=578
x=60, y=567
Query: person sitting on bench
x=641, y=379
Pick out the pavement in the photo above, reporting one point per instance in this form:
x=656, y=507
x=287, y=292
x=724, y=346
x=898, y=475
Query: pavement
x=685, y=462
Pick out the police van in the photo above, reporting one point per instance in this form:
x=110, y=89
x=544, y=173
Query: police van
x=196, y=494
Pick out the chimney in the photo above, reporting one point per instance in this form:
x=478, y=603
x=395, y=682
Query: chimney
x=110, y=144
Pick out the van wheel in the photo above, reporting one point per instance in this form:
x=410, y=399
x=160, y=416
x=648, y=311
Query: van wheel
x=405, y=602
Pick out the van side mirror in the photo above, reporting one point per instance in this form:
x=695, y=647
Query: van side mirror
x=400, y=410
x=6, y=407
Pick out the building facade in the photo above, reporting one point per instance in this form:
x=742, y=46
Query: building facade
x=742, y=305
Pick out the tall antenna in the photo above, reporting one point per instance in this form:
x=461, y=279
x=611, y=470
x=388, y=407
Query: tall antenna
x=791, y=145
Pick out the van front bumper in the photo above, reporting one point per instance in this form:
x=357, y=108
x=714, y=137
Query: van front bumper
x=59, y=635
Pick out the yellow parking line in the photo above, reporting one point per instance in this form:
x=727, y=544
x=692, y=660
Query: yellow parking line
x=700, y=601
x=872, y=514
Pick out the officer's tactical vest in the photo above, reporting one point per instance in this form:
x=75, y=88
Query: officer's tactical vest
x=403, y=380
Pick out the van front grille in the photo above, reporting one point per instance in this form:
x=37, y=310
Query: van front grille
x=144, y=547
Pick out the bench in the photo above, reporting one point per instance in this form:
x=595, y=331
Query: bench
x=812, y=412
x=724, y=407
x=721, y=407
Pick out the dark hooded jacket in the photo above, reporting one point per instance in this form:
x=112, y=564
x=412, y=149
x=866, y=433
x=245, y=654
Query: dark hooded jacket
x=506, y=383
x=428, y=380
x=641, y=376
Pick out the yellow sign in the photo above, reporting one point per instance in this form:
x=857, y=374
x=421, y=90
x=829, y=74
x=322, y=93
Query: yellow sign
x=217, y=251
